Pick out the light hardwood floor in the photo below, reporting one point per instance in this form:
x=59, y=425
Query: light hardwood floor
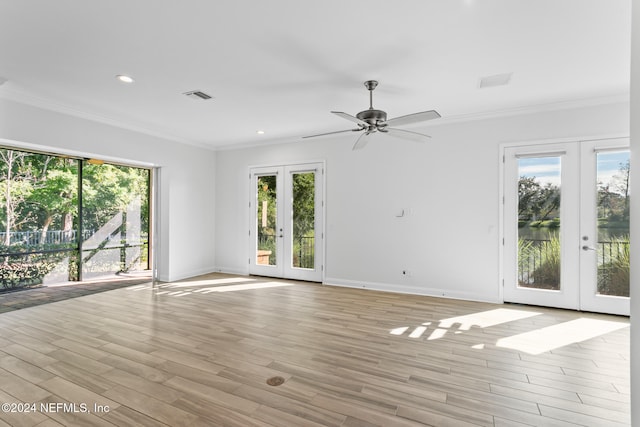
x=199, y=353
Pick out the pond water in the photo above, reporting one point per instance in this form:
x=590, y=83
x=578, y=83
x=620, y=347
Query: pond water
x=544, y=233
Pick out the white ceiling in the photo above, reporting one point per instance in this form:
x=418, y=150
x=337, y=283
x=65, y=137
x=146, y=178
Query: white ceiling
x=282, y=65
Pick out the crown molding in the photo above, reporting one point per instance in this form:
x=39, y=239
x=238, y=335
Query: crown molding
x=11, y=93
x=534, y=109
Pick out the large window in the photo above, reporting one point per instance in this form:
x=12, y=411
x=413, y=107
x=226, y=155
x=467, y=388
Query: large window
x=64, y=219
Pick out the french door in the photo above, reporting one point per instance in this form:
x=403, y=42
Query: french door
x=286, y=230
x=566, y=225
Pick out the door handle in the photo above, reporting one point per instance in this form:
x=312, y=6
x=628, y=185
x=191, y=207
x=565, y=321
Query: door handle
x=588, y=248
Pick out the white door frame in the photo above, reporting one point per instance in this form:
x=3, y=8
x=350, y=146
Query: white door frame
x=284, y=244
x=578, y=281
x=590, y=300
x=567, y=296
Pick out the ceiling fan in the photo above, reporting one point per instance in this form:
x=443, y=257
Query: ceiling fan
x=371, y=121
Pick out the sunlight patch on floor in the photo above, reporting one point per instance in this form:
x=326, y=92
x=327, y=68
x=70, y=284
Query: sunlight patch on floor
x=207, y=282
x=205, y=286
x=457, y=325
x=485, y=319
x=246, y=287
x=556, y=336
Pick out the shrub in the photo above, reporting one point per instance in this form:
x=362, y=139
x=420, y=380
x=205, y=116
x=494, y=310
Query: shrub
x=23, y=274
x=547, y=274
x=613, y=277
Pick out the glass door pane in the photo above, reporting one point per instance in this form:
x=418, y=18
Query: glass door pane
x=604, y=226
x=612, y=213
x=303, y=220
x=38, y=219
x=539, y=254
x=267, y=220
x=115, y=215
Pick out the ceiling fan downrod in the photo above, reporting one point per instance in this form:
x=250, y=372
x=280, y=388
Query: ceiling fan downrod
x=371, y=85
x=371, y=116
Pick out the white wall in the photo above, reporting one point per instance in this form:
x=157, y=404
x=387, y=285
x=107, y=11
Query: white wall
x=187, y=176
x=449, y=242
x=635, y=210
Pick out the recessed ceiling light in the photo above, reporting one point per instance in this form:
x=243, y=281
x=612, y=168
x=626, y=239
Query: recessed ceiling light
x=124, y=78
x=260, y=132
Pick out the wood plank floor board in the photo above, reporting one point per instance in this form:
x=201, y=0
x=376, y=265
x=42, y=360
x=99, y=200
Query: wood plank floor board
x=210, y=379
x=364, y=413
x=127, y=417
x=443, y=408
x=151, y=407
x=80, y=361
x=287, y=404
x=534, y=422
x=616, y=376
x=619, y=405
x=431, y=378
x=284, y=419
x=324, y=375
x=484, y=397
x=522, y=412
x=579, y=417
x=211, y=414
x=27, y=341
x=494, y=376
x=602, y=390
x=534, y=393
x=29, y=355
x=142, y=385
x=186, y=353
x=19, y=419
x=436, y=419
x=347, y=396
x=218, y=397
x=93, y=382
x=74, y=417
x=24, y=370
x=20, y=388
x=135, y=368
x=74, y=393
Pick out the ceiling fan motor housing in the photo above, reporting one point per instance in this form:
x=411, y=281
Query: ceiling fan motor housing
x=372, y=117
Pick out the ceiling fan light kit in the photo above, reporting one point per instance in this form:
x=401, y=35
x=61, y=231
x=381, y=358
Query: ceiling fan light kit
x=371, y=121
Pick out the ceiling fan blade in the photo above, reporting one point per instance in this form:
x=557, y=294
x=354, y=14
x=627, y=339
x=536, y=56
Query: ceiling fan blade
x=412, y=118
x=362, y=141
x=331, y=133
x=407, y=134
x=350, y=118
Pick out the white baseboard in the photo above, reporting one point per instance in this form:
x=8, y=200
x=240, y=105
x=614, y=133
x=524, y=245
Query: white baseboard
x=232, y=270
x=408, y=289
x=186, y=275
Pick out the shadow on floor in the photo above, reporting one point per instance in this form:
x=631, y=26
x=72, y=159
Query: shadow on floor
x=30, y=297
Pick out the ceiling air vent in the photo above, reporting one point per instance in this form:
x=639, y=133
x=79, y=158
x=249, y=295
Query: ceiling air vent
x=496, y=80
x=197, y=94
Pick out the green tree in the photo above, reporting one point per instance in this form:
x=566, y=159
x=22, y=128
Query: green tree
x=537, y=202
x=109, y=189
x=14, y=189
x=55, y=195
x=303, y=203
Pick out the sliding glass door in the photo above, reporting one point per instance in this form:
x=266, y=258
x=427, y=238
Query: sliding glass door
x=115, y=219
x=66, y=219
